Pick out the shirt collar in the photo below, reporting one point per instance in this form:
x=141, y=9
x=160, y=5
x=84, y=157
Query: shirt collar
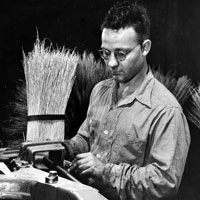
x=142, y=94
x=145, y=90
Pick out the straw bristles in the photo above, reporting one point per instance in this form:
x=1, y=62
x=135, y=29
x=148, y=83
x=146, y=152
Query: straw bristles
x=49, y=78
x=194, y=110
x=89, y=73
x=183, y=88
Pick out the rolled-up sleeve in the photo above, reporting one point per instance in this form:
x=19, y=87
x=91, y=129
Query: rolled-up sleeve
x=165, y=158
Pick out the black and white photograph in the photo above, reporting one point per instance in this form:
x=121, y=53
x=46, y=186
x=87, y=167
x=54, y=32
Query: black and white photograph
x=100, y=99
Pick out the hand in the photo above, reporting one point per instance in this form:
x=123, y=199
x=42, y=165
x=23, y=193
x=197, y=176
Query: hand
x=87, y=164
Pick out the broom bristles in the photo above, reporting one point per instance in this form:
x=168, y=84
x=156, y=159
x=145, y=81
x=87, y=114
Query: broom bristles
x=49, y=78
x=194, y=110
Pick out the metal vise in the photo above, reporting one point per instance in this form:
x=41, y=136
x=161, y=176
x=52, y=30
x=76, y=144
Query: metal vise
x=35, y=151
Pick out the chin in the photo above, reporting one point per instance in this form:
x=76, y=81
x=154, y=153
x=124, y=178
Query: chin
x=119, y=79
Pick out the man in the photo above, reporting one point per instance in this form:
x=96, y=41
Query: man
x=134, y=141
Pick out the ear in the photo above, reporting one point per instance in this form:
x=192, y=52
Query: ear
x=146, y=46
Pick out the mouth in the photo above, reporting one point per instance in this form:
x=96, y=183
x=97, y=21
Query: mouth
x=115, y=73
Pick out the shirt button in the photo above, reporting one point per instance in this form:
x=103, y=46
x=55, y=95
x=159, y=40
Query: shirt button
x=98, y=156
x=106, y=132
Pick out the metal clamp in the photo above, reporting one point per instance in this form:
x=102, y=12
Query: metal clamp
x=55, y=150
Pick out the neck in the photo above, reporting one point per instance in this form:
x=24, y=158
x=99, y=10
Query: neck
x=129, y=87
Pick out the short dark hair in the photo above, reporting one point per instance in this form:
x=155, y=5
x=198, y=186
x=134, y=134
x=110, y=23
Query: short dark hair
x=128, y=14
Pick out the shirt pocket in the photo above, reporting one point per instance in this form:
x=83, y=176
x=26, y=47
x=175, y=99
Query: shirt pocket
x=136, y=145
x=131, y=148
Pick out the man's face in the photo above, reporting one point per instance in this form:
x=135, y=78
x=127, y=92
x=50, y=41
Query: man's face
x=123, y=40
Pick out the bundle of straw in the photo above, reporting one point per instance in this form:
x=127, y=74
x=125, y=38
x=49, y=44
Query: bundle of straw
x=182, y=91
x=49, y=78
x=193, y=113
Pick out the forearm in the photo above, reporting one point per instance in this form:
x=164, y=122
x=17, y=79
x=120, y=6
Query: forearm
x=136, y=182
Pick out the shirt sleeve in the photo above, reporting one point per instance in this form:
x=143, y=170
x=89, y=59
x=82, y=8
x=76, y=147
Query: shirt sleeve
x=80, y=142
x=166, y=154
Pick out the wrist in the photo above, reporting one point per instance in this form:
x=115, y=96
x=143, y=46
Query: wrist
x=107, y=171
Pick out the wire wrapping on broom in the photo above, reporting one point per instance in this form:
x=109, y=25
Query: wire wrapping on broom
x=45, y=117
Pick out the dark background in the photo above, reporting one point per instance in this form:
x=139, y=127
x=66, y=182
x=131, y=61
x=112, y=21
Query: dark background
x=175, y=34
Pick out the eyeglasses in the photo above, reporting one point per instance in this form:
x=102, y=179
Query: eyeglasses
x=120, y=55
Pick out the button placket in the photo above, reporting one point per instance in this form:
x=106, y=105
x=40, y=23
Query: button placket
x=114, y=133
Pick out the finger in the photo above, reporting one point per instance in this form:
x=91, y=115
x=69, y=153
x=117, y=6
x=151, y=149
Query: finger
x=78, y=161
x=73, y=167
x=83, y=155
x=87, y=171
x=84, y=160
x=84, y=166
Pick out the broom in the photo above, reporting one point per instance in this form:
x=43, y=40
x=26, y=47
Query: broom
x=49, y=76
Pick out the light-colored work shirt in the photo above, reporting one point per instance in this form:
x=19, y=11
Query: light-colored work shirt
x=143, y=139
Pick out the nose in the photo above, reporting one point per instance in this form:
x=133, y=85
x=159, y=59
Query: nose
x=113, y=62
